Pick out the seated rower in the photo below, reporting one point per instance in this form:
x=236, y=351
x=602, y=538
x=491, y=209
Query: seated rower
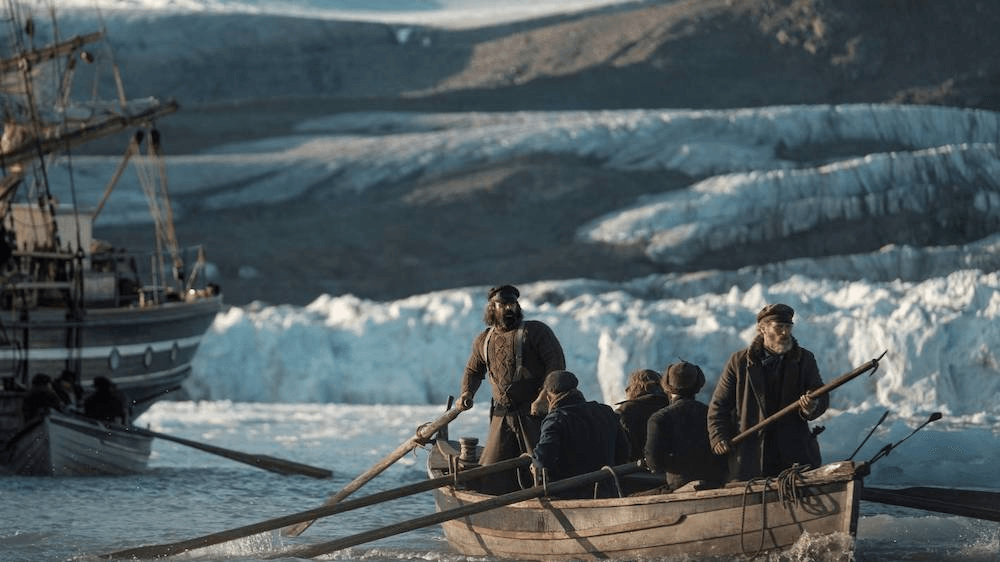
x=40, y=399
x=106, y=403
x=643, y=397
x=677, y=436
x=577, y=437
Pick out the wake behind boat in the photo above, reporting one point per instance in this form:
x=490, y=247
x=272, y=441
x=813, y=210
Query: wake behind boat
x=70, y=303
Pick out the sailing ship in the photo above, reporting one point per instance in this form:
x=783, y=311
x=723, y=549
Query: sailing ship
x=71, y=304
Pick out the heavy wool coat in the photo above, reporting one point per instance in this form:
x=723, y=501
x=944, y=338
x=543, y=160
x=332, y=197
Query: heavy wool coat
x=677, y=445
x=741, y=400
x=634, y=415
x=578, y=437
x=541, y=353
x=512, y=430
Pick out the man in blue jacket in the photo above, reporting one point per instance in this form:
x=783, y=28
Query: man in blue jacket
x=577, y=437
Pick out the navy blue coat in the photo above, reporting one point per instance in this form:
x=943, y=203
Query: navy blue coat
x=579, y=437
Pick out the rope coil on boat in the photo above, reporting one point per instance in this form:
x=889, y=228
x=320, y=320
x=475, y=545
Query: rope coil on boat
x=788, y=481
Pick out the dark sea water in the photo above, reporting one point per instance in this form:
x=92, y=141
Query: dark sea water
x=187, y=493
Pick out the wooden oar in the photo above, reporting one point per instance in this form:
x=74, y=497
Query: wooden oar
x=424, y=434
x=953, y=501
x=458, y=512
x=889, y=448
x=266, y=462
x=794, y=406
x=867, y=437
x=169, y=549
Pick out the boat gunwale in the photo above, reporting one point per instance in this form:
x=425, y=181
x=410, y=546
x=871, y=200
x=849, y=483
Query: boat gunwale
x=847, y=470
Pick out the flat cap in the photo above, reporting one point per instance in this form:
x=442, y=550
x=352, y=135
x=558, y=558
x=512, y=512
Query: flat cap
x=777, y=312
x=504, y=293
x=558, y=382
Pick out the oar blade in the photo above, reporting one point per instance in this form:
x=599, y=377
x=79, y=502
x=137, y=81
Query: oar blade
x=266, y=462
x=953, y=501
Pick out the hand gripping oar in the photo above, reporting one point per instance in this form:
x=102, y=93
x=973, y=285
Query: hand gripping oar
x=266, y=462
x=458, y=512
x=423, y=435
x=794, y=406
x=169, y=549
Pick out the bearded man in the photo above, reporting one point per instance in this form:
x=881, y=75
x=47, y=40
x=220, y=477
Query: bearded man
x=757, y=382
x=517, y=354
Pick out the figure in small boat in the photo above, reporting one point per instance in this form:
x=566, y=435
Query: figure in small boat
x=40, y=399
x=643, y=397
x=69, y=390
x=677, y=436
x=577, y=437
x=758, y=381
x=517, y=354
x=106, y=403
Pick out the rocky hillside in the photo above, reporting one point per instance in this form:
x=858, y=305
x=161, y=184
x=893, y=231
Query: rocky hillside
x=681, y=54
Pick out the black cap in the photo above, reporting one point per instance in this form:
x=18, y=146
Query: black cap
x=682, y=378
x=558, y=382
x=504, y=293
x=777, y=312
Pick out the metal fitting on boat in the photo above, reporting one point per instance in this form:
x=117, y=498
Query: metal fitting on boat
x=469, y=450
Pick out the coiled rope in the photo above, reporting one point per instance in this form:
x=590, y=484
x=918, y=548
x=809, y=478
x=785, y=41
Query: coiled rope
x=788, y=482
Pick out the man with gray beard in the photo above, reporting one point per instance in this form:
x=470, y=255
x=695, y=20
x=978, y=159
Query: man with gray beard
x=517, y=354
x=757, y=382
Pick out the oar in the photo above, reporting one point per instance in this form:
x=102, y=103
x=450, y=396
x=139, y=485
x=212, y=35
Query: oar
x=794, y=406
x=953, y=501
x=867, y=437
x=458, y=512
x=169, y=549
x=424, y=434
x=888, y=448
x=266, y=462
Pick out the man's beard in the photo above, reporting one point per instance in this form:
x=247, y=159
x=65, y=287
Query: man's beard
x=509, y=320
x=782, y=346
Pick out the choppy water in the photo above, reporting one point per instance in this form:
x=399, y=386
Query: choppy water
x=187, y=493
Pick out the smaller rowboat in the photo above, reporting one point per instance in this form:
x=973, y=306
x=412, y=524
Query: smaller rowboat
x=746, y=518
x=71, y=445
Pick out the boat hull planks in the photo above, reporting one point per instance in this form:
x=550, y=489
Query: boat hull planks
x=717, y=522
x=68, y=445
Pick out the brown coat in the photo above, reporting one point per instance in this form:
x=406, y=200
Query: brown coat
x=512, y=430
x=541, y=354
x=740, y=401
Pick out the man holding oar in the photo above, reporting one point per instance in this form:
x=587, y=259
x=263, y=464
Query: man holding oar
x=517, y=354
x=757, y=382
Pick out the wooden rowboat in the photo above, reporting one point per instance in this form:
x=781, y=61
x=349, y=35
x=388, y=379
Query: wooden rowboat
x=740, y=519
x=72, y=445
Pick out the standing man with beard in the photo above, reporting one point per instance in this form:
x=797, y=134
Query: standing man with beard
x=517, y=354
x=757, y=382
